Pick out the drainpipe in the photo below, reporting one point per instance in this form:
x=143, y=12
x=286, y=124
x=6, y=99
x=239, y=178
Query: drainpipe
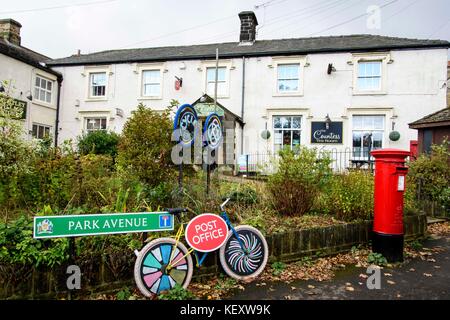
x=242, y=104
x=58, y=98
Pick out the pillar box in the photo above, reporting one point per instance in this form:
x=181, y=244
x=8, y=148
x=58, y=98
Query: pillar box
x=390, y=174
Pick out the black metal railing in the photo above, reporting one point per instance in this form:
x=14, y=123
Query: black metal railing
x=342, y=160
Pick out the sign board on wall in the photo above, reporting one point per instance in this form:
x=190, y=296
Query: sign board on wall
x=100, y=224
x=320, y=133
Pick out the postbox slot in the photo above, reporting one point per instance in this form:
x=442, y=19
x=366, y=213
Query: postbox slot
x=403, y=170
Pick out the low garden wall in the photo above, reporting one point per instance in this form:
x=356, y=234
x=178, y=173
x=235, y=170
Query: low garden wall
x=286, y=247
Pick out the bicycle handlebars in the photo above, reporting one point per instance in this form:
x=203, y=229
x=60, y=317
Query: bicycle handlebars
x=224, y=204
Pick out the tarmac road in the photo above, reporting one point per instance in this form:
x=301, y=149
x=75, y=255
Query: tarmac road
x=418, y=279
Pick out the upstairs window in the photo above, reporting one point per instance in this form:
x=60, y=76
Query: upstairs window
x=94, y=124
x=369, y=76
x=97, y=84
x=151, y=83
x=221, y=81
x=43, y=90
x=288, y=78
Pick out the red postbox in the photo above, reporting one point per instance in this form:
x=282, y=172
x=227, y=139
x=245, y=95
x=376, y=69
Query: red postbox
x=390, y=175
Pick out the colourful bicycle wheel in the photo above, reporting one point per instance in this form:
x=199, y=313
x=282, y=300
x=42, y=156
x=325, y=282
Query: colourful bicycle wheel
x=161, y=265
x=248, y=262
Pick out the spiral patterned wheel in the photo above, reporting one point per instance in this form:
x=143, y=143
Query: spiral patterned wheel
x=212, y=131
x=186, y=121
x=161, y=265
x=248, y=262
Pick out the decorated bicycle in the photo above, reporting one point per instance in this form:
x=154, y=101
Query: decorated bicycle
x=165, y=262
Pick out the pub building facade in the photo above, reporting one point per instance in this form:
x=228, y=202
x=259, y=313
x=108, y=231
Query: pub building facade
x=333, y=92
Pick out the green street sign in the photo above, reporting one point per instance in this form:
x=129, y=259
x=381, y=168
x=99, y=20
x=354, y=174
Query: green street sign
x=100, y=224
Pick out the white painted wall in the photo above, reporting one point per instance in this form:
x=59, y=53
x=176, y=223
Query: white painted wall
x=21, y=77
x=415, y=87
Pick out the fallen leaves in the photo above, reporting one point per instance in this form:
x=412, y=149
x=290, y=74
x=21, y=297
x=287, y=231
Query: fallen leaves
x=350, y=289
x=427, y=274
x=390, y=282
x=439, y=229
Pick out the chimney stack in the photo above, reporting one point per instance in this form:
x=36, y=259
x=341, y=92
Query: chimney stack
x=10, y=30
x=248, y=27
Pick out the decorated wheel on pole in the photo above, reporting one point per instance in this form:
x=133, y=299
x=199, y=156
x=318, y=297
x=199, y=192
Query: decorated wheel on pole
x=212, y=131
x=186, y=121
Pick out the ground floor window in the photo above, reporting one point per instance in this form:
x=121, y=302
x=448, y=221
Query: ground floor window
x=93, y=124
x=40, y=131
x=368, y=134
x=287, y=131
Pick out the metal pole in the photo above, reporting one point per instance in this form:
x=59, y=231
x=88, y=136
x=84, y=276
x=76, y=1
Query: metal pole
x=216, y=79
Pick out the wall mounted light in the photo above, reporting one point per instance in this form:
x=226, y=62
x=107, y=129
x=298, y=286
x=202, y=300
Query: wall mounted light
x=327, y=122
x=29, y=96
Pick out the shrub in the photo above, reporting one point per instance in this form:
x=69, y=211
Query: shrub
x=349, y=196
x=242, y=194
x=145, y=146
x=177, y=293
x=298, y=180
x=98, y=142
x=16, y=154
x=431, y=173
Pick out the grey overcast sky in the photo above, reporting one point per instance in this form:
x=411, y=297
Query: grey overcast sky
x=58, y=28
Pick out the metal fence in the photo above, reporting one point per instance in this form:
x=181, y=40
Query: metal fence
x=342, y=160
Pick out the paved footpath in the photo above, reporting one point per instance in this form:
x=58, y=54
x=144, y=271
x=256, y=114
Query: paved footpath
x=417, y=279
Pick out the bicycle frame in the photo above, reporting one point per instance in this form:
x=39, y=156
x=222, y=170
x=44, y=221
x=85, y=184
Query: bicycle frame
x=200, y=260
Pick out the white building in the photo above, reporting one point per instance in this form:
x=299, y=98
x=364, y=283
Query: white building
x=327, y=92
x=29, y=81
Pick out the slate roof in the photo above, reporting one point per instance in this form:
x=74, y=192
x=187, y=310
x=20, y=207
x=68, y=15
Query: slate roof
x=441, y=117
x=352, y=43
x=26, y=55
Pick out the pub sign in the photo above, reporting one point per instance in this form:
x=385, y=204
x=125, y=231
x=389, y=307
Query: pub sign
x=321, y=133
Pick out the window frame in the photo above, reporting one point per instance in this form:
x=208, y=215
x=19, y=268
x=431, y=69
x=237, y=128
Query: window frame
x=140, y=69
x=143, y=84
x=87, y=74
x=362, y=131
x=227, y=64
x=91, y=86
x=87, y=118
x=36, y=98
x=273, y=116
x=276, y=62
x=40, y=125
x=383, y=58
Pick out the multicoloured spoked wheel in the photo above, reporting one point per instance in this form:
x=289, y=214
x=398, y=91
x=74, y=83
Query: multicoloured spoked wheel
x=161, y=265
x=248, y=261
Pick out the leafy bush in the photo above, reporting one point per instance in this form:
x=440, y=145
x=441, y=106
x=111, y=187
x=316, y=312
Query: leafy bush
x=349, y=196
x=145, y=146
x=242, y=194
x=98, y=142
x=278, y=267
x=298, y=180
x=176, y=293
x=16, y=154
x=431, y=173
x=377, y=259
x=18, y=247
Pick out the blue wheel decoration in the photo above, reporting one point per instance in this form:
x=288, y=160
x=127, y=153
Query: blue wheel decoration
x=212, y=131
x=186, y=120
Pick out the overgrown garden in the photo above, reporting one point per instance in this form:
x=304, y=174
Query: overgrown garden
x=133, y=172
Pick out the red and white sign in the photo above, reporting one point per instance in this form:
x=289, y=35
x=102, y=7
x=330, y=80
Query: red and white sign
x=206, y=232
